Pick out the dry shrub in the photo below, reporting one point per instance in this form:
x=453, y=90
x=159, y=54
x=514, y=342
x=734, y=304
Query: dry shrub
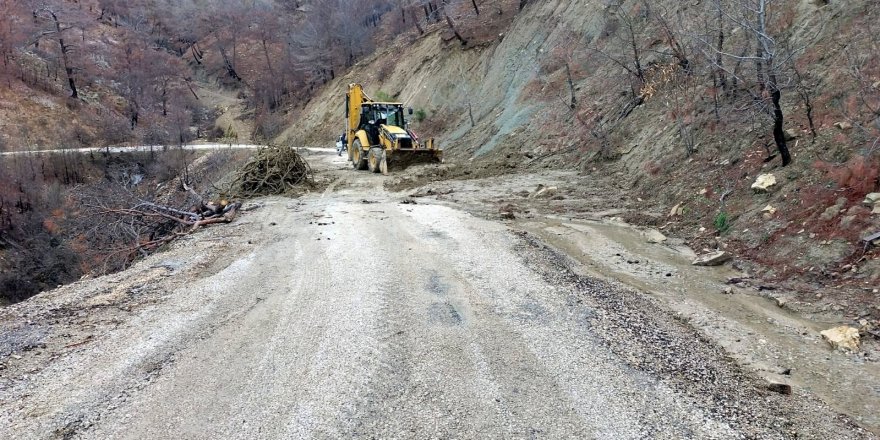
x=270, y=171
x=860, y=174
x=652, y=167
x=385, y=71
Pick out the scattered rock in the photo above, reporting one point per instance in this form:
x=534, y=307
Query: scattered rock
x=842, y=338
x=833, y=210
x=507, y=212
x=544, y=192
x=654, y=236
x=843, y=125
x=829, y=213
x=791, y=134
x=781, y=388
x=764, y=182
x=846, y=222
x=408, y=202
x=727, y=290
x=769, y=209
x=738, y=280
x=676, y=210
x=713, y=259
x=425, y=192
x=872, y=200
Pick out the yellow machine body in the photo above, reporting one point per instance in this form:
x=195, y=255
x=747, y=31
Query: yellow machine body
x=377, y=133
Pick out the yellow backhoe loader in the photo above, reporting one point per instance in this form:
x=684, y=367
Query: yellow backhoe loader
x=377, y=134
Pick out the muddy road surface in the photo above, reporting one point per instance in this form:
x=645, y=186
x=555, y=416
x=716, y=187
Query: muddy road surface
x=354, y=313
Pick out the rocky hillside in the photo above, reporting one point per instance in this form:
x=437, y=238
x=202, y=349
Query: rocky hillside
x=671, y=107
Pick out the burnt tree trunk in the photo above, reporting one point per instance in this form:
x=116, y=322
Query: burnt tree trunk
x=722, y=77
x=573, y=103
x=416, y=22
x=455, y=31
x=778, y=121
x=230, y=67
x=65, y=54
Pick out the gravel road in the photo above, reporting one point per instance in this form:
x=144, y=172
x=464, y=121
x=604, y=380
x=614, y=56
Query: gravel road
x=349, y=316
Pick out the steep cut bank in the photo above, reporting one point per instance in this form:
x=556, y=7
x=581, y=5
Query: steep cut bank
x=639, y=98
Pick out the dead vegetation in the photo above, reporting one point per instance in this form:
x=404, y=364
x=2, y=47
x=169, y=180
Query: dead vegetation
x=130, y=223
x=270, y=171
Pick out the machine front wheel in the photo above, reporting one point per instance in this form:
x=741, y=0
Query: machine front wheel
x=358, y=161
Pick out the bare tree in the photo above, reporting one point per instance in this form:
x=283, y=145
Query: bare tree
x=13, y=32
x=771, y=62
x=57, y=31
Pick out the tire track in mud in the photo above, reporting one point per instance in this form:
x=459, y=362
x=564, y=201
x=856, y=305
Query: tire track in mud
x=533, y=308
x=446, y=315
x=389, y=373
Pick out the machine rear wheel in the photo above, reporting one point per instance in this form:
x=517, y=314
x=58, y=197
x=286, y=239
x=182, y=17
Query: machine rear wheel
x=358, y=161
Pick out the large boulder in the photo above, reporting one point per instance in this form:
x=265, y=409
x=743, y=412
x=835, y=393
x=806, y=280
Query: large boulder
x=833, y=210
x=764, y=182
x=873, y=201
x=654, y=236
x=713, y=259
x=544, y=192
x=844, y=338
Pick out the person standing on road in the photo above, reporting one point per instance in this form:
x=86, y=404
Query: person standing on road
x=340, y=144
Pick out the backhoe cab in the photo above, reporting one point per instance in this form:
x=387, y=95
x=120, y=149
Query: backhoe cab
x=378, y=135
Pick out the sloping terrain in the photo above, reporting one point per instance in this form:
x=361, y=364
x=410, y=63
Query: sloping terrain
x=670, y=148
x=363, y=316
x=537, y=285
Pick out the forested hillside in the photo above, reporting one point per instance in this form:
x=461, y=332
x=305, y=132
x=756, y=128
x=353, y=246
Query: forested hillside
x=95, y=73
x=132, y=70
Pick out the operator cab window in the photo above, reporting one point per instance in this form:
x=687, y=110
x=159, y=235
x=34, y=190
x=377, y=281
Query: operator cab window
x=393, y=115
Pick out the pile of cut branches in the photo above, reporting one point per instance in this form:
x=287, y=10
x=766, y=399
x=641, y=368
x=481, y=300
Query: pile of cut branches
x=271, y=171
x=121, y=225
